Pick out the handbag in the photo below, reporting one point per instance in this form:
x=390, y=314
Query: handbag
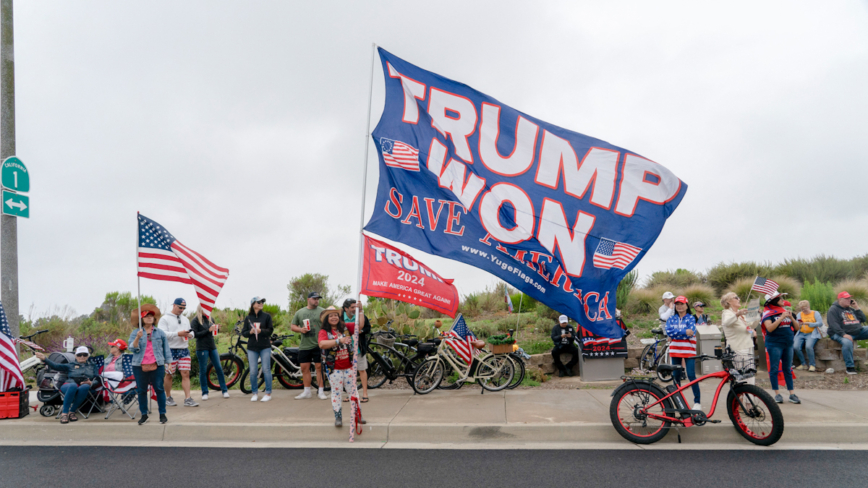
x=149, y=367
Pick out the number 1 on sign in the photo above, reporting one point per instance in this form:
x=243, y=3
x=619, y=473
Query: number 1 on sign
x=15, y=175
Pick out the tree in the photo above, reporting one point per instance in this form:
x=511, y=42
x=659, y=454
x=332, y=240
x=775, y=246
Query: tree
x=117, y=306
x=301, y=286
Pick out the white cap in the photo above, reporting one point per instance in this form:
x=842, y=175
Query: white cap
x=82, y=349
x=563, y=319
x=772, y=296
x=668, y=294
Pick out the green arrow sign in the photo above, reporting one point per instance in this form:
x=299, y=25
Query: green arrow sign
x=15, y=204
x=14, y=176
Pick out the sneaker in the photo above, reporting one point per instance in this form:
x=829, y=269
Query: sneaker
x=266, y=398
x=795, y=399
x=851, y=371
x=254, y=398
x=204, y=397
x=163, y=418
x=779, y=399
x=801, y=367
x=171, y=402
x=812, y=369
x=322, y=396
x=561, y=373
x=190, y=403
x=143, y=420
x=225, y=394
x=697, y=406
x=304, y=394
x=338, y=422
x=570, y=372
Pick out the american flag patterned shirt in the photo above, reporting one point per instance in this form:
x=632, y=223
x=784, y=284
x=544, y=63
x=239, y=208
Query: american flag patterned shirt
x=682, y=345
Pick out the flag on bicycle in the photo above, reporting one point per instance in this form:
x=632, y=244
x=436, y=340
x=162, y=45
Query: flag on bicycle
x=162, y=257
x=764, y=286
x=10, y=368
x=507, y=298
x=460, y=338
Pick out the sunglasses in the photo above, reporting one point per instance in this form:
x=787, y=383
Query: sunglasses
x=82, y=355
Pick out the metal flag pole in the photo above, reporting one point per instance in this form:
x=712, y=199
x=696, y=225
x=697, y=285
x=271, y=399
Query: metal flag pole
x=360, y=316
x=749, y=291
x=138, y=278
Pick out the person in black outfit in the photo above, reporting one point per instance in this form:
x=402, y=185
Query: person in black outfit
x=564, y=336
x=204, y=329
x=257, y=330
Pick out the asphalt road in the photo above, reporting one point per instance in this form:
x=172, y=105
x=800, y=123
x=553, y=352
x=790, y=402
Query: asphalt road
x=190, y=467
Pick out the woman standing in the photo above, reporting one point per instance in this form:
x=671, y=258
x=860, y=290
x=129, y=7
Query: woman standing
x=739, y=335
x=334, y=341
x=258, y=329
x=681, y=329
x=149, y=359
x=204, y=330
x=777, y=324
x=699, y=313
x=80, y=376
x=808, y=335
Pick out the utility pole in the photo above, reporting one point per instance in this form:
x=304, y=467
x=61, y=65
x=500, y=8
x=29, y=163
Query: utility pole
x=8, y=223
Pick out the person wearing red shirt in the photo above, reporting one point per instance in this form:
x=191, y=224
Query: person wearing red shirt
x=335, y=340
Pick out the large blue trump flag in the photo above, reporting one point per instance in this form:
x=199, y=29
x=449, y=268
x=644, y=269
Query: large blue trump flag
x=559, y=215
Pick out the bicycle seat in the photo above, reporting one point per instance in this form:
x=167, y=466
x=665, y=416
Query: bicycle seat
x=276, y=343
x=426, y=347
x=290, y=350
x=657, y=331
x=661, y=368
x=412, y=342
x=436, y=341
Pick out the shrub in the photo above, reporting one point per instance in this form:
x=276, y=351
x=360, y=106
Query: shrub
x=859, y=265
x=823, y=268
x=701, y=293
x=625, y=287
x=786, y=285
x=522, y=302
x=857, y=289
x=545, y=312
x=643, y=301
x=724, y=276
x=741, y=287
x=790, y=286
x=470, y=305
x=679, y=278
x=820, y=295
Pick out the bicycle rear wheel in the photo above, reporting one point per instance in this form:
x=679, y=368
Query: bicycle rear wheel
x=497, y=370
x=232, y=366
x=427, y=376
x=755, y=414
x=520, y=371
x=628, y=418
x=290, y=378
x=245, y=384
x=646, y=360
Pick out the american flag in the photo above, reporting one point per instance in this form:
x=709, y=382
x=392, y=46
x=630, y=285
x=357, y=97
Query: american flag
x=162, y=257
x=459, y=338
x=507, y=298
x=612, y=254
x=399, y=155
x=127, y=365
x=98, y=361
x=10, y=369
x=30, y=344
x=764, y=286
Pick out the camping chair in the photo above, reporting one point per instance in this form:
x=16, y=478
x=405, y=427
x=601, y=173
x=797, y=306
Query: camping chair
x=94, y=401
x=121, y=394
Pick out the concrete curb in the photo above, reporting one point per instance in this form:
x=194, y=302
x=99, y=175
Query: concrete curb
x=589, y=435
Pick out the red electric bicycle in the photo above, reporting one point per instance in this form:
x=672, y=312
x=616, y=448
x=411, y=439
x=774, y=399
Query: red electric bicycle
x=643, y=411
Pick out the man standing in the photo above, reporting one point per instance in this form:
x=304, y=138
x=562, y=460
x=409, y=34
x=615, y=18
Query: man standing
x=350, y=307
x=178, y=329
x=563, y=336
x=845, y=319
x=307, y=323
x=668, y=308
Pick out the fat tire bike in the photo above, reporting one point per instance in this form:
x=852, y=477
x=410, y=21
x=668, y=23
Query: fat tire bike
x=284, y=368
x=493, y=372
x=643, y=412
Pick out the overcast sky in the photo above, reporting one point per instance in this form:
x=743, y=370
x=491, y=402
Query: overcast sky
x=240, y=126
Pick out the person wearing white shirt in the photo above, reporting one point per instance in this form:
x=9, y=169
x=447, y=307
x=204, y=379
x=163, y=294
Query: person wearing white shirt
x=738, y=333
x=177, y=328
x=668, y=308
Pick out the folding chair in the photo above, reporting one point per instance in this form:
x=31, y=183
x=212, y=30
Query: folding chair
x=122, y=394
x=92, y=402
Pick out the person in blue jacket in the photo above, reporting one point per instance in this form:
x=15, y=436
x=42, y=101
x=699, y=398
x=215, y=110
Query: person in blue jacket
x=681, y=329
x=80, y=377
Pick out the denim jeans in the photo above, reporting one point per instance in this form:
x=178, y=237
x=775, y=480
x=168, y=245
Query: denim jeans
x=808, y=342
x=780, y=354
x=73, y=396
x=690, y=369
x=252, y=359
x=155, y=379
x=203, y=357
x=847, y=345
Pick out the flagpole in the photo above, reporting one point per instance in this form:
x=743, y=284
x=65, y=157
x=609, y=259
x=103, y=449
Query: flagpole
x=138, y=278
x=750, y=290
x=360, y=315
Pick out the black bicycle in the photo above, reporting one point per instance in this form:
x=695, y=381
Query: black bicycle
x=232, y=363
x=389, y=360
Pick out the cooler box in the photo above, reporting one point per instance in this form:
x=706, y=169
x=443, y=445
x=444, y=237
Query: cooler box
x=708, y=338
x=600, y=369
x=14, y=404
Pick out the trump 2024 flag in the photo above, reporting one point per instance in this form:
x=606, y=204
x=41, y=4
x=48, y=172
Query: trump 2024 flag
x=557, y=214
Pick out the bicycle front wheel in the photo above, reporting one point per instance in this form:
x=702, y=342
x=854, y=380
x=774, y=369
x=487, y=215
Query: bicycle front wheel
x=244, y=384
x=520, y=371
x=646, y=360
x=496, y=371
x=755, y=414
x=427, y=376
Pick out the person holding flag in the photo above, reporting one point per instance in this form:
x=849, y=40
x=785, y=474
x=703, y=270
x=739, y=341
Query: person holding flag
x=151, y=353
x=334, y=341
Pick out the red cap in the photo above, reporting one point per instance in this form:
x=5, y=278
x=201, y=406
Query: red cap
x=843, y=294
x=147, y=312
x=681, y=299
x=787, y=303
x=120, y=343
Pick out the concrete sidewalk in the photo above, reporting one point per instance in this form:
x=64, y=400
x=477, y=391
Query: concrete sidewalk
x=530, y=418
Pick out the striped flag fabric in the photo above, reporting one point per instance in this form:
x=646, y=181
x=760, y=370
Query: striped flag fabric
x=507, y=298
x=10, y=368
x=612, y=254
x=162, y=257
x=764, y=286
x=29, y=344
x=459, y=338
x=399, y=155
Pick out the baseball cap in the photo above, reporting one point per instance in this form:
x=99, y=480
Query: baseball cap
x=82, y=350
x=314, y=294
x=668, y=294
x=179, y=301
x=844, y=294
x=120, y=343
x=563, y=319
x=256, y=299
x=681, y=299
x=699, y=304
x=147, y=312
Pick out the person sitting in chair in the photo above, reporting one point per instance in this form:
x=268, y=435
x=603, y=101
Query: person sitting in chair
x=80, y=377
x=564, y=335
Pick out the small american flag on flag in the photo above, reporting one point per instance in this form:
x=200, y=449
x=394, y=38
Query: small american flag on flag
x=127, y=365
x=10, y=369
x=399, y=155
x=30, y=344
x=459, y=338
x=764, y=286
x=162, y=257
x=612, y=254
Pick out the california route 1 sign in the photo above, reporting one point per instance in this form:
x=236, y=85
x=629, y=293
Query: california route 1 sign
x=15, y=178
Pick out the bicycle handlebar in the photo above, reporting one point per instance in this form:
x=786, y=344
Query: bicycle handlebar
x=31, y=336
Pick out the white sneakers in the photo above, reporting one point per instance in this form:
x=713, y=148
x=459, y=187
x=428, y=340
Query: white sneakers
x=225, y=395
x=205, y=397
x=254, y=398
x=322, y=395
x=266, y=398
x=304, y=394
x=697, y=406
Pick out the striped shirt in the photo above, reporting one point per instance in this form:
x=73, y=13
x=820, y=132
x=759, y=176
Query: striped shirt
x=682, y=345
